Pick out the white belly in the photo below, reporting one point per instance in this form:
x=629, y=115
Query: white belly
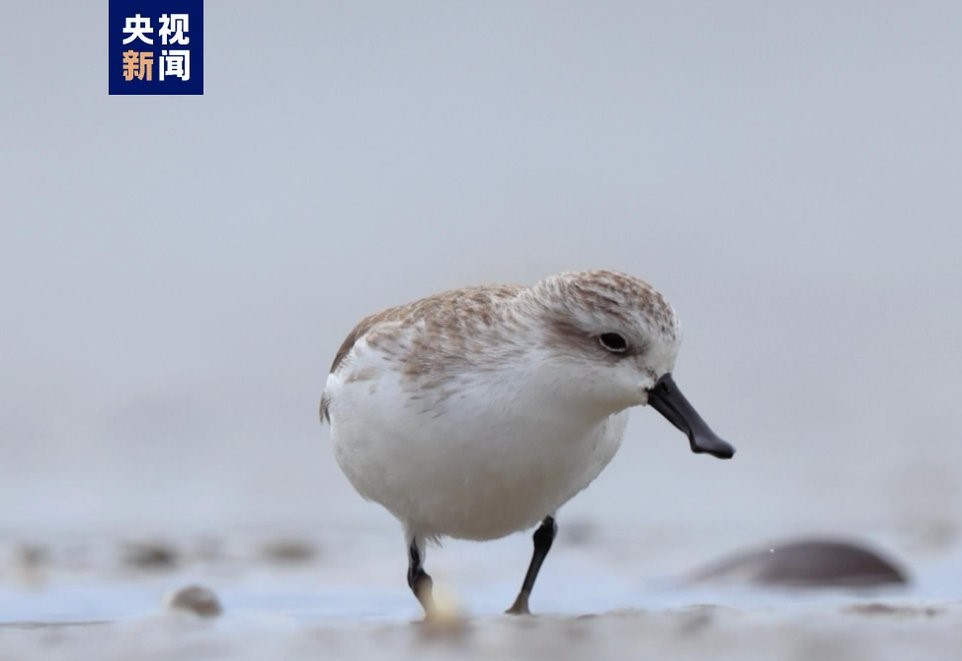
x=480, y=465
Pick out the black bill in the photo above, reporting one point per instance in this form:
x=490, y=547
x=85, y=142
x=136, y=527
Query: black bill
x=666, y=398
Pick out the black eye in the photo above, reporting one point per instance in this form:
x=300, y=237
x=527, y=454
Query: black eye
x=613, y=342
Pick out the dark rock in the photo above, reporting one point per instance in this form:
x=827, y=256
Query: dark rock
x=807, y=563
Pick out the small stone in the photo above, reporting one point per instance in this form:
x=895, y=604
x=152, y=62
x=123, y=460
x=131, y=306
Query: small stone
x=194, y=599
x=31, y=556
x=150, y=555
x=30, y=564
x=289, y=551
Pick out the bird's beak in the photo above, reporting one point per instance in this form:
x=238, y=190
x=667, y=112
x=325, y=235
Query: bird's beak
x=666, y=398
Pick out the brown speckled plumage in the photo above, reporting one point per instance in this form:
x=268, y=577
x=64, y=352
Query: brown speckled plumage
x=475, y=329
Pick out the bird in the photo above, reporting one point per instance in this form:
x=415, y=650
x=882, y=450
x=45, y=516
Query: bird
x=478, y=412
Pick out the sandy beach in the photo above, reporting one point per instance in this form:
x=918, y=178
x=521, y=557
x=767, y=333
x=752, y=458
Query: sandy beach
x=876, y=632
x=297, y=597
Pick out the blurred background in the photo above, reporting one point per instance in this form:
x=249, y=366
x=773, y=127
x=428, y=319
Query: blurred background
x=176, y=273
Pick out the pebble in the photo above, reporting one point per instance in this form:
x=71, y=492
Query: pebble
x=194, y=599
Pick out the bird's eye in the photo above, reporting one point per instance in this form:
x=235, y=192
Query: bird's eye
x=613, y=342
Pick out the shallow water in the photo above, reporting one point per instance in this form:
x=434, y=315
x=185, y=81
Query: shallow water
x=94, y=597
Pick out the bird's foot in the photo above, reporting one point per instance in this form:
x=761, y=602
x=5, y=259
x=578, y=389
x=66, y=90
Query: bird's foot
x=423, y=590
x=520, y=605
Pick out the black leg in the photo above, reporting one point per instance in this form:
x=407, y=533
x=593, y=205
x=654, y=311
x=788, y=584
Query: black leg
x=418, y=579
x=543, y=537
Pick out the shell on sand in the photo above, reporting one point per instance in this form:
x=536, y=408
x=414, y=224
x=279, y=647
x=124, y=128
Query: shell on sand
x=808, y=563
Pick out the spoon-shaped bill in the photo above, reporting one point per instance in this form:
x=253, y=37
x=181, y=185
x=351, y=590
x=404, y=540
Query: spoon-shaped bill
x=666, y=398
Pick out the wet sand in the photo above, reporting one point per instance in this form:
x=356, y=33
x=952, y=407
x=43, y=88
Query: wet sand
x=874, y=630
x=295, y=597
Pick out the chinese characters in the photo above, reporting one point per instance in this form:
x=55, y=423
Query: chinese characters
x=155, y=47
x=171, y=63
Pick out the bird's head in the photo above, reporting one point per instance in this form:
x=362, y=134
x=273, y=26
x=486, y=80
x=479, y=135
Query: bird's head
x=620, y=338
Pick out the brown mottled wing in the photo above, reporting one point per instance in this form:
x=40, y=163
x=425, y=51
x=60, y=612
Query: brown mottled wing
x=349, y=341
x=362, y=327
x=469, y=303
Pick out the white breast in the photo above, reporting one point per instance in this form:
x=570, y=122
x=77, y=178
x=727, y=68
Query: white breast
x=482, y=456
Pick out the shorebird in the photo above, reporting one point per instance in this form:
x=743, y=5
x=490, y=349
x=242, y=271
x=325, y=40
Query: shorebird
x=478, y=412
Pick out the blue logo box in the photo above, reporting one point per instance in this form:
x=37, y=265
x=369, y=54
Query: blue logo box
x=155, y=46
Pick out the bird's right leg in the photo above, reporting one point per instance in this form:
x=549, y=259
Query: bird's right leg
x=543, y=537
x=418, y=579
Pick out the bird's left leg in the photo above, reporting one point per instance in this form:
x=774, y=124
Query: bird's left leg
x=543, y=537
x=418, y=579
